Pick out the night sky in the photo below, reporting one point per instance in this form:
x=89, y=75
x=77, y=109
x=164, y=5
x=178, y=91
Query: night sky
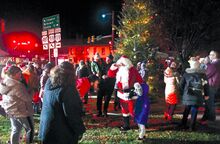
x=76, y=16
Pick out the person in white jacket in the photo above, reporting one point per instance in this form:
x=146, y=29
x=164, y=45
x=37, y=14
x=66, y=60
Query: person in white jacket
x=17, y=104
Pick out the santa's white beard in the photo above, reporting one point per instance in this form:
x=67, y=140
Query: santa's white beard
x=123, y=77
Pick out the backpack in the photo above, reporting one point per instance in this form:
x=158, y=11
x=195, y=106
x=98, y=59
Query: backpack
x=196, y=87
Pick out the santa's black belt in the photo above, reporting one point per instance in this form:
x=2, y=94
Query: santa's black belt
x=125, y=90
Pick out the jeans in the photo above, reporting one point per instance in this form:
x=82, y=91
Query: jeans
x=209, y=113
x=194, y=112
x=17, y=124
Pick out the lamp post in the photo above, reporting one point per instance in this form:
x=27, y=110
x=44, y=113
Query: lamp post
x=113, y=29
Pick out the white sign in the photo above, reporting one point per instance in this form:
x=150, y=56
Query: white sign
x=58, y=37
x=44, y=39
x=44, y=33
x=58, y=44
x=45, y=47
x=51, y=31
x=51, y=38
x=57, y=30
x=51, y=45
x=55, y=52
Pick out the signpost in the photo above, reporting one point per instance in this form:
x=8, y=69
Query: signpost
x=51, y=35
x=51, y=22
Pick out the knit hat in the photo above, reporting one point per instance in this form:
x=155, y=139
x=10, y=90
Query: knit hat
x=194, y=63
x=81, y=63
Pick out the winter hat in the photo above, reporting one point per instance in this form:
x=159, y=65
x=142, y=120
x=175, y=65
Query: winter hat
x=81, y=63
x=96, y=56
x=110, y=57
x=124, y=60
x=173, y=65
x=194, y=63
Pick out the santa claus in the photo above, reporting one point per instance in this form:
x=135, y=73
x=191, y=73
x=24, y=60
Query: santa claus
x=126, y=77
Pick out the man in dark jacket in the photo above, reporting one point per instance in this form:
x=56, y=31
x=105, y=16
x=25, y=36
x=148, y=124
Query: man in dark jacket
x=194, y=89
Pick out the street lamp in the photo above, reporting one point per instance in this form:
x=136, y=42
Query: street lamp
x=113, y=29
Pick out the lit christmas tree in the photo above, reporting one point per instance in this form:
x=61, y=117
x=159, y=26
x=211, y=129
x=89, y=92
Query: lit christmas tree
x=133, y=30
x=135, y=39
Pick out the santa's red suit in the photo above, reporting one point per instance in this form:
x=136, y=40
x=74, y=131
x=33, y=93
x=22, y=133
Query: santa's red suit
x=126, y=76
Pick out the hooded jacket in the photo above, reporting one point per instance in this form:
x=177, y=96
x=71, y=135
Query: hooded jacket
x=191, y=94
x=16, y=100
x=61, y=117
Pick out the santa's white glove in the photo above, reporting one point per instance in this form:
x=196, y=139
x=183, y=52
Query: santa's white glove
x=138, y=89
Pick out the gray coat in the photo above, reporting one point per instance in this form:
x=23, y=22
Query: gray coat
x=188, y=87
x=16, y=102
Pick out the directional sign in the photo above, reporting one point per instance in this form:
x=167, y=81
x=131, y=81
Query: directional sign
x=58, y=44
x=51, y=45
x=51, y=22
x=45, y=47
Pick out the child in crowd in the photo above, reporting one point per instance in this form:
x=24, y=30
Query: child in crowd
x=142, y=108
x=171, y=91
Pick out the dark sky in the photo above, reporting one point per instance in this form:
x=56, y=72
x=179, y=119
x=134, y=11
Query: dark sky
x=76, y=16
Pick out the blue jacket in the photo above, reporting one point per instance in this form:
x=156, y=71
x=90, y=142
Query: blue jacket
x=142, y=106
x=61, y=116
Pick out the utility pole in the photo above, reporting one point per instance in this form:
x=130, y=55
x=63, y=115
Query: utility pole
x=113, y=29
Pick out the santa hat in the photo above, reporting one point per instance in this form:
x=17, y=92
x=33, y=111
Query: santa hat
x=125, y=61
x=194, y=63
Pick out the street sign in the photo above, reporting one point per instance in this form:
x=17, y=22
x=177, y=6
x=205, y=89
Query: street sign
x=44, y=33
x=58, y=44
x=51, y=22
x=51, y=45
x=57, y=37
x=51, y=38
x=45, y=47
x=44, y=39
x=51, y=31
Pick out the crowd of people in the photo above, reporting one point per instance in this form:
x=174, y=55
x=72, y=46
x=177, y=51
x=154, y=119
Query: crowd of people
x=58, y=94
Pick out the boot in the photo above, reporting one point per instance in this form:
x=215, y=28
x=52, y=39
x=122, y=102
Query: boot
x=169, y=117
x=126, y=126
x=165, y=115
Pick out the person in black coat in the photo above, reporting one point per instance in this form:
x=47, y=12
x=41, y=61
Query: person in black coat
x=61, y=117
x=194, y=90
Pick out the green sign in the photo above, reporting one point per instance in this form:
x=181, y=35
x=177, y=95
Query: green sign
x=51, y=22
